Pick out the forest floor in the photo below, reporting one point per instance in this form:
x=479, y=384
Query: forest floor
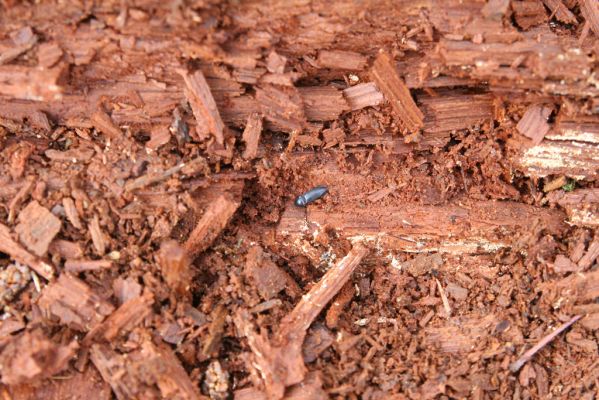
x=151, y=153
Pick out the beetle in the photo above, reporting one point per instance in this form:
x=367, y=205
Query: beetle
x=311, y=196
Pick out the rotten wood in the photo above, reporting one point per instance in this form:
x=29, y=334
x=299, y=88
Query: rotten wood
x=590, y=11
x=251, y=136
x=31, y=356
x=203, y=105
x=516, y=365
x=338, y=59
x=76, y=266
x=534, y=123
x=128, y=316
x=37, y=227
x=458, y=229
x=73, y=303
x=9, y=246
x=148, y=372
x=279, y=362
x=213, y=221
x=385, y=75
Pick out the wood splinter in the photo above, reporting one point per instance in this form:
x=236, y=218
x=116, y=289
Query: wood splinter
x=515, y=366
x=279, y=361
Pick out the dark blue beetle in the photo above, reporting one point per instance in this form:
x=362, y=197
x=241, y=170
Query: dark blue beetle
x=311, y=196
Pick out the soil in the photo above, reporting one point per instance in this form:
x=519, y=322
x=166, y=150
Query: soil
x=151, y=153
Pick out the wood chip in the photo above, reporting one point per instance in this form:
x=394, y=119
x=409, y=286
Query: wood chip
x=590, y=12
x=560, y=11
x=384, y=74
x=363, y=95
x=280, y=362
x=343, y=298
x=73, y=303
x=275, y=63
x=103, y=123
x=37, y=228
x=159, y=136
x=71, y=212
x=76, y=266
x=129, y=315
x=563, y=264
x=9, y=246
x=591, y=255
x=214, y=220
x=48, y=54
x=175, y=266
x=323, y=103
x=534, y=123
x=98, y=238
x=251, y=136
x=268, y=278
x=31, y=357
x=203, y=105
x=23, y=40
x=338, y=59
x=283, y=107
x=148, y=372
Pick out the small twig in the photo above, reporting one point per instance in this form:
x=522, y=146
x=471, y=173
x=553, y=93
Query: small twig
x=515, y=366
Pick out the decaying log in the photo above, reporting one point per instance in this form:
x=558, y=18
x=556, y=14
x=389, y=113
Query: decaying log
x=571, y=149
x=73, y=303
x=470, y=227
x=582, y=205
x=384, y=74
x=279, y=361
x=149, y=372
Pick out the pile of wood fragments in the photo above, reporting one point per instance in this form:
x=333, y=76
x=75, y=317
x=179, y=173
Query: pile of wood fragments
x=151, y=152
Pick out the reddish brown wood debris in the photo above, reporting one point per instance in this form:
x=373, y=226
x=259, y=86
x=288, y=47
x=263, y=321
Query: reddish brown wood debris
x=214, y=219
x=9, y=246
x=204, y=108
x=33, y=356
x=73, y=303
x=385, y=75
x=590, y=11
x=534, y=123
x=153, y=172
x=149, y=372
x=37, y=227
x=251, y=136
x=280, y=362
